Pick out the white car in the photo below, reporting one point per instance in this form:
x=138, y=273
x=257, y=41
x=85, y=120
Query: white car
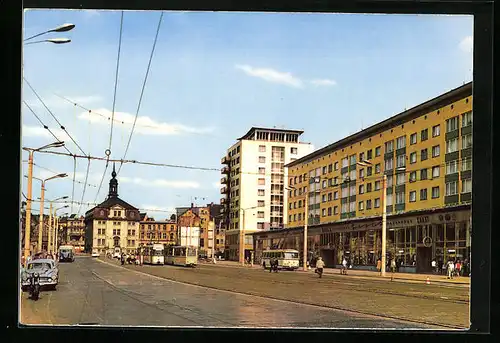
x=95, y=254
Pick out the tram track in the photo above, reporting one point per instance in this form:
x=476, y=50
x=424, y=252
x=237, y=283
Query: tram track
x=302, y=302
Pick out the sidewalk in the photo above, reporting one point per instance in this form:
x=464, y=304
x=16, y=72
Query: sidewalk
x=408, y=277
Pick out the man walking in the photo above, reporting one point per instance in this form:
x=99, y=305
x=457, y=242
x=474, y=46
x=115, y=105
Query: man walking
x=319, y=266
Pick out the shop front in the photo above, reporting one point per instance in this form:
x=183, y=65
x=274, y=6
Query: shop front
x=413, y=240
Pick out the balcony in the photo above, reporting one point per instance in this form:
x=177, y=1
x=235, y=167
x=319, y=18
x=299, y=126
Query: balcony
x=225, y=170
x=223, y=190
x=225, y=160
x=223, y=181
x=222, y=201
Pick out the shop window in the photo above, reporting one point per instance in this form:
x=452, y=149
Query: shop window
x=439, y=233
x=450, y=232
x=461, y=231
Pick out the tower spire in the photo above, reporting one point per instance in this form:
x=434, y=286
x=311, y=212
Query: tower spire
x=113, y=184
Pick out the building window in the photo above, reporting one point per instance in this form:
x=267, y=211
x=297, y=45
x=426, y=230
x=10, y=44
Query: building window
x=388, y=199
x=389, y=147
x=329, y=196
x=435, y=151
x=466, y=163
x=423, y=194
x=368, y=204
x=467, y=119
x=377, y=168
x=466, y=185
x=352, y=175
x=401, y=142
x=452, y=145
x=435, y=192
x=352, y=159
x=361, y=173
x=361, y=206
x=336, y=210
x=390, y=179
x=336, y=195
x=413, y=138
x=293, y=151
x=345, y=162
x=413, y=196
x=400, y=198
x=329, y=211
x=401, y=161
x=466, y=141
x=423, y=174
x=368, y=187
x=423, y=154
x=262, y=181
x=369, y=171
x=330, y=168
x=323, y=198
x=452, y=167
x=377, y=203
x=262, y=170
x=377, y=151
x=262, y=148
x=377, y=185
x=435, y=172
x=361, y=189
x=261, y=192
x=424, y=135
x=336, y=166
x=262, y=159
x=369, y=154
x=451, y=188
x=413, y=176
x=260, y=214
x=436, y=130
x=452, y=124
x=323, y=212
x=389, y=164
x=400, y=178
x=324, y=170
x=361, y=156
x=413, y=157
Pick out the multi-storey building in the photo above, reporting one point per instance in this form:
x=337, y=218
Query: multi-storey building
x=73, y=231
x=112, y=223
x=254, y=183
x=425, y=154
x=153, y=231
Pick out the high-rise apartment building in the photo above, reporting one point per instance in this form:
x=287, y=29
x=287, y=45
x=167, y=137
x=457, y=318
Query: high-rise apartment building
x=254, y=183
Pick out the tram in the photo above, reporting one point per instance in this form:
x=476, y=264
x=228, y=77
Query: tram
x=186, y=256
x=154, y=253
x=287, y=258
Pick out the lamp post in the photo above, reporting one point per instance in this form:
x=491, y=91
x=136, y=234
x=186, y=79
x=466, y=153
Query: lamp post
x=242, y=235
x=27, y=233
x=50, y=241
x=384, y=212
x=42, y=197
x=56, y=239
x=316, y=179
x=61, y=28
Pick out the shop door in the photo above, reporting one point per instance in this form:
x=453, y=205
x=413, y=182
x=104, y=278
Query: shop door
x=424, y=258
x=328, y=256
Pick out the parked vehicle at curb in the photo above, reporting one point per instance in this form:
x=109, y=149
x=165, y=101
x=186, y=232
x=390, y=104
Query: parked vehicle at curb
x=95, y=253
x=66, y=253
x=287, y=258
x=42, y=271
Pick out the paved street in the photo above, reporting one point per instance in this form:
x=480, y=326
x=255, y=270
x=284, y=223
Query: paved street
x=99, y=291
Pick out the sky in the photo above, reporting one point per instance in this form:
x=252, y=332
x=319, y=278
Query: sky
x=212, y=77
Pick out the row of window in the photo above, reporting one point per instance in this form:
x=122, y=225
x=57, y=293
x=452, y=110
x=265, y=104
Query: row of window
x=155, y=236
x=159, y=226
x=116, y=232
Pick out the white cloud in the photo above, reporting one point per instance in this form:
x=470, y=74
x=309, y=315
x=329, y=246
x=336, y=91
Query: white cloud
x=216, y=185
x=467, y=44
x=323, y=82
x=38, y=131
x=144, y=125
x=272, y=75
x=159, y=182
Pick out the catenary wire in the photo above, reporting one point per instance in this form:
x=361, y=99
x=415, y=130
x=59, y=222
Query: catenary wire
x=47, y=169
x=142, y=90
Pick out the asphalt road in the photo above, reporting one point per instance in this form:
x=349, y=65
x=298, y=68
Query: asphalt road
x=92, y=291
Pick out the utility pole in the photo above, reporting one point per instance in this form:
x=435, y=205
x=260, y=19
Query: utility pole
x=40, y=230
x=384, y=224
x=306, y=222
x=27, y=229
x=242, y=239
x=49, y=233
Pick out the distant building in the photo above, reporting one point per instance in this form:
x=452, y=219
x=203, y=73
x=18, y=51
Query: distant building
x=112, y=223
x=254, y=181
x=73, y=231
x=154, y=231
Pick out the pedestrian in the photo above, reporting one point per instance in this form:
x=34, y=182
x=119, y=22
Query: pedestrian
x=319, y=267
x=393, y=266
x=458, y=267
x=450, y=270
x=433, y=265
x=379, y=266
x=344, y=267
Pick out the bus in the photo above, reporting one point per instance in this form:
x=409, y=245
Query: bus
x=66, y=253
x=154, y=254
x=181, y=256
x=287, y=258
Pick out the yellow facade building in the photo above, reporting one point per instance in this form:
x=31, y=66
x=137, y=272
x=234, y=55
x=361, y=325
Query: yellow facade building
x=426, y=155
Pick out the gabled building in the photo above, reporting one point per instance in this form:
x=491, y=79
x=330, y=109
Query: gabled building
x=153, y=231
x=112, y=223
x=73, y=231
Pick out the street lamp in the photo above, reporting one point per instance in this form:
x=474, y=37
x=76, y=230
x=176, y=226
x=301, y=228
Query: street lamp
x=41, y=205
x=50, y=242
x=384, y=212
x=57, y=224
x=52, y=40
x=316, y=179
x=31, y=151
x=61, y=28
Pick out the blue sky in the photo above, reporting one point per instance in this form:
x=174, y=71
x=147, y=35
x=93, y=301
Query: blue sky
x=213, y=76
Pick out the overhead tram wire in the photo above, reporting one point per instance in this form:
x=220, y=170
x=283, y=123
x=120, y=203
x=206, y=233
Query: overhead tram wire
x=54, y=172
x=108, y=151
x=142, y=90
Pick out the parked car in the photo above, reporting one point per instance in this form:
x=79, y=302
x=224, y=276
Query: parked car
x=46, y=269
x=96, y=253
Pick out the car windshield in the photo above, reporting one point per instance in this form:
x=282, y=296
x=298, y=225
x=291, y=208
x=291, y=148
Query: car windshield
x=39, y=265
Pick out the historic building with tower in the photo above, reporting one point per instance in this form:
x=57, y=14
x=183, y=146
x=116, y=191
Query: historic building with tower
x=112, y=223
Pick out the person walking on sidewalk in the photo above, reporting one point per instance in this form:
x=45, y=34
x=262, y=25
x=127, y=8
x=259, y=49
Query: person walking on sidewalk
x=319, y=267
x=379, y=266
x=450, y=269
x=433, y=265
x=343, y=271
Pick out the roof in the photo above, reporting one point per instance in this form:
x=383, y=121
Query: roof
x=112, y=201
x=414, y=112
x=254, y=128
